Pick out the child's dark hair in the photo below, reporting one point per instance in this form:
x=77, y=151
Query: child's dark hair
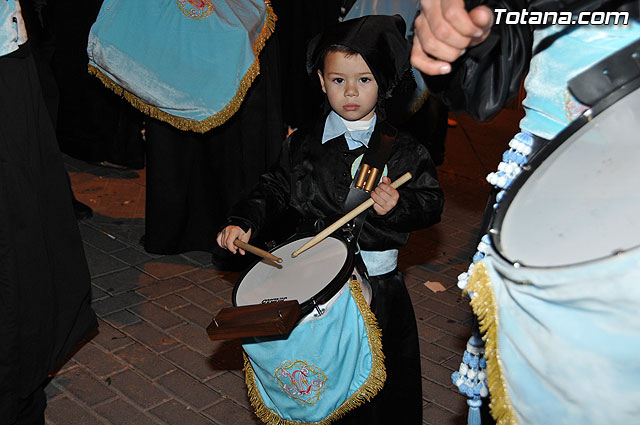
x=339, y=48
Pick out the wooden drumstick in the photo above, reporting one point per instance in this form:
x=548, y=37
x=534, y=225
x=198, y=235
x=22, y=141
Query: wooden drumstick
x=348, y=217
x=257, y=251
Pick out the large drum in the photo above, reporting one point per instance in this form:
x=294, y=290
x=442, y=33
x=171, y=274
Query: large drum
x=332, y=360
x=558, y=292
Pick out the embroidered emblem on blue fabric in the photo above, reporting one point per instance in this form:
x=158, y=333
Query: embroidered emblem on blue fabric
x=196, y=9
x=301, y=381
x=356, y=165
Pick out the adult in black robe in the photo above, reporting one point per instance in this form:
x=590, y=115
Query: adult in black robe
x=194, y=179
x=45, y=288
x=94, y=124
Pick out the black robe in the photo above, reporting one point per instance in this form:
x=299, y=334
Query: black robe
x=45, y=290
x=194, y=179
x=314, y=178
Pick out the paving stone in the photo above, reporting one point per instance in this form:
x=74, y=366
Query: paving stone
x=446, y=397
x=204, y=299
x=101, y=263
x=434, y=352
x=188, y=389
x=110, y=338
x=220, y=287
x=158, y=341
x=97, y=361
x=145, y=361
x=196, y=338
x=450, y=326
x=176, y=413
x=84, y=386
x=140, y=390
x=123, y=280
x=116, y=303
x=64, y=411
x=157, y=315
x=193, y=363
x=99, y=239
x=195, y=314
x=167, y=266
x=171, y=302
x=228, y=413
x=200, y=275
x=454, y=344
x=436, y=415
x=97, y=293
x=131, y=256
x=121, y=318
x=233, y=387
x=52, y=391
x=164, y=287
x=435, y=372
x=445, y=310
x=200, y=257
x=121, y=412
x=429, y=333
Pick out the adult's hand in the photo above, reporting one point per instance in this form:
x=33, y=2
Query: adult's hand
x=443, y=31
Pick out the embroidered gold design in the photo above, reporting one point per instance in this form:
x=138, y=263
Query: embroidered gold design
x=218, y=118
x=486, y=308
x=301, y=381
x=371, y=386
x=196, y=9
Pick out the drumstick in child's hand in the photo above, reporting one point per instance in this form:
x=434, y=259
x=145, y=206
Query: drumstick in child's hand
x=348, y=217
x=257, y=251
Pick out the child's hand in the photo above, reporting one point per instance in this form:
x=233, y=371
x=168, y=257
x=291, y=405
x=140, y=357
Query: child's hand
x=231, y=233
x=384, y=196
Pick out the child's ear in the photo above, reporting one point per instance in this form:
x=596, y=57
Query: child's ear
x=321, y=77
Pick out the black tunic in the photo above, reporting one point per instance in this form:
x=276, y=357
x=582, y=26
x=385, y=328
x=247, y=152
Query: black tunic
x=314, y=178
x=44, y=280
x=194, y=179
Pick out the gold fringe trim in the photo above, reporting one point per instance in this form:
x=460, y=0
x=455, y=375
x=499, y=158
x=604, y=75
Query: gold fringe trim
x=218, y=118
x=486, y=308
x=371, y=386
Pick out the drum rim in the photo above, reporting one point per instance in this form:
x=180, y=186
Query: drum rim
x=547, y=150
x=326, y=293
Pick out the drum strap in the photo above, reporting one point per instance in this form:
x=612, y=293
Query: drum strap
x=606, y=76
x=369, y=172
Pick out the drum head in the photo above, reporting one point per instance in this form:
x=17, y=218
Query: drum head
x=316, y=274
x=579, y=200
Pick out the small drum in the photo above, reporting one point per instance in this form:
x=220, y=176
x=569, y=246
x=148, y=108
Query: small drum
x=558, y=292
x=332, y=360
x=313, y=278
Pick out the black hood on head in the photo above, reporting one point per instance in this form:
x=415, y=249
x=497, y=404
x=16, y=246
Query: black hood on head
x=378, y=39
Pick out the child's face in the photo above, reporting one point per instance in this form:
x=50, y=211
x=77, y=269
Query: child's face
x=350, y=86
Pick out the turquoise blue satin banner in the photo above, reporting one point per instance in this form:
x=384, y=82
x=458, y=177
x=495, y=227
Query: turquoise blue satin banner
x=189, y=62
x=568, y=340
x=12, y=32
x=325, y=365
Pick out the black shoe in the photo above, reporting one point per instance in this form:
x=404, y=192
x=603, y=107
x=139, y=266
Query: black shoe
x=81, y=210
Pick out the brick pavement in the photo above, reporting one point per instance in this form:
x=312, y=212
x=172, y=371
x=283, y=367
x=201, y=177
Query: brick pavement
x=151, y=361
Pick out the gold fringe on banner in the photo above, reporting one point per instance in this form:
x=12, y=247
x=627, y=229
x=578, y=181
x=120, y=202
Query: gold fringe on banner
x=486, y=308
x=371, y=386
x=218, y=118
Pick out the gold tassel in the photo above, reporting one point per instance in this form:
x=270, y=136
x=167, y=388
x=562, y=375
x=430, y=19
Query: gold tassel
x=371, y=386
x=486, y=308
x=218, y=118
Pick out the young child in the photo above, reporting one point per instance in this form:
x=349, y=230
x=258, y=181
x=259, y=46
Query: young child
x=359, y=63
